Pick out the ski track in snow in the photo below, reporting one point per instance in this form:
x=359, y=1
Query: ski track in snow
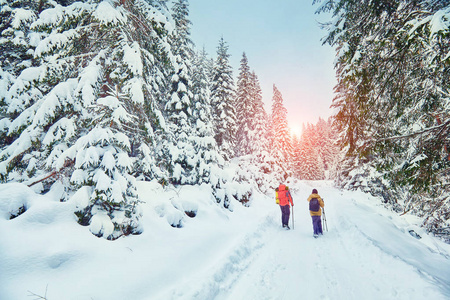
x=223, y=275
x=366, y=254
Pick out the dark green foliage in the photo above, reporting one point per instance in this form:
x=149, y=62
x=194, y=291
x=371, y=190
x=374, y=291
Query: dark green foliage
x=84, y=216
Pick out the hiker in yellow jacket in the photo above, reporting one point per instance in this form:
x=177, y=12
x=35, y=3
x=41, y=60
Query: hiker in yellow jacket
x=315, y=209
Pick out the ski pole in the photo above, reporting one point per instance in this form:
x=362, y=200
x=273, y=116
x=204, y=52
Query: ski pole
x=325, y=219
x=292, y=217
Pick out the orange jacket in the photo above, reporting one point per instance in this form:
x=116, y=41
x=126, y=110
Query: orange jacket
x=316, y=213
x=284, y=195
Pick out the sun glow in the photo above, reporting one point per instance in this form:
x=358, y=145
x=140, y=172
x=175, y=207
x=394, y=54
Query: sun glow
x=296, y=130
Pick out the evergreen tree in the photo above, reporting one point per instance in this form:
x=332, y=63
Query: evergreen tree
x=392, y=97
x=331, y=153
x=281, y=144
x=265, y=170
x=259, y=135
x=222, y=101
x=296, y=157
x=316, y=155
x=205, y=144
x=311, y=165
x=325, y=141
x=88, y=91
x=244, y=107
x=178, y=151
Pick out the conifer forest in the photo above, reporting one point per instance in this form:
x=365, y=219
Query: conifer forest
x=96, y=96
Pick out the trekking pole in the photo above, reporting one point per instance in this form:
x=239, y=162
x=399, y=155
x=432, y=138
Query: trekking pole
x=292, y=217
x=325, y=219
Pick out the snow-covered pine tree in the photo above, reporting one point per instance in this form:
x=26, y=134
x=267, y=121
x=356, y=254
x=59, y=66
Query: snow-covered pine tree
x=151, y=26
x=321, y=138
x=281, y=144
x=296, y=157
x=302, y=167
x=204, y=143
x=78, y=110
x=178, y=153
x=222, y=101
x=311, y=165
x=271, y=174
x=244, y=107
x=316, y=153
x=324, y=141
x=259, y=137
x=393, y=101
x=257, y=165
x=331, y=154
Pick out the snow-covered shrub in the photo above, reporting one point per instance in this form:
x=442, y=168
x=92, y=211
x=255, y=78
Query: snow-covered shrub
x=102, y=163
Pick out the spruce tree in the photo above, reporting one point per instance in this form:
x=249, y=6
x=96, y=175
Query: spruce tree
x=296, y=157
x=281, y=145
x=178, y=152
x=222, y=101
x=88, y=106
x=244, y=107
x=205, y=145
x=257, y=158
x=309, y=166
x=391, y=102
x=259, y=124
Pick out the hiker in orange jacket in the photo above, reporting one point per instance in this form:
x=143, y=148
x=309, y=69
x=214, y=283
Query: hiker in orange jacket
x=315, y=209
x=285, y=200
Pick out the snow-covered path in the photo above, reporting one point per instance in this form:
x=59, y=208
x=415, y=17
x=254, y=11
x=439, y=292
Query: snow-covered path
x=366, y=254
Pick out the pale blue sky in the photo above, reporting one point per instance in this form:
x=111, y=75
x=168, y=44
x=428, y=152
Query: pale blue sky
x=282, y=41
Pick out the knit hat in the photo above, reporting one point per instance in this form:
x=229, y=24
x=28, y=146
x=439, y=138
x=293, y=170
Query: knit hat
x=314, y=191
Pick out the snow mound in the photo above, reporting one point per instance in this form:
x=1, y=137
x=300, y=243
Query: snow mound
x=15, y=199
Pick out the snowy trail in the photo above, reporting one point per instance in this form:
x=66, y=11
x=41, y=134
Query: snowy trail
x=363, y=256
x=366, y=254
